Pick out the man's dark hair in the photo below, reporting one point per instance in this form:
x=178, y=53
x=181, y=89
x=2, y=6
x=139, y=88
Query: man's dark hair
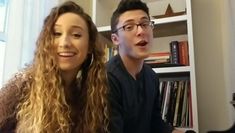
x=127, y=5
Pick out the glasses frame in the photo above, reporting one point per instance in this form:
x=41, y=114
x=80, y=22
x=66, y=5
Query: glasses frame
x=151, y=24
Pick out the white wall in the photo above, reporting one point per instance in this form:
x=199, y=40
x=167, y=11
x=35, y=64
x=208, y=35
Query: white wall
x=24, y=24
x=13, y=44
x=2, y=55
x=214, y=46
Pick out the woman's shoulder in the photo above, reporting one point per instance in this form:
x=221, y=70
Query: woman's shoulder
x=10, y=95
x=16, y=85
x=16, y=82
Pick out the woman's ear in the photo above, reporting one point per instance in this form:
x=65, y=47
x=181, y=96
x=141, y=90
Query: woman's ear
x=115, y=39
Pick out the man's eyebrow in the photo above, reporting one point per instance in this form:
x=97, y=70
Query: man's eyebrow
x=132, y=20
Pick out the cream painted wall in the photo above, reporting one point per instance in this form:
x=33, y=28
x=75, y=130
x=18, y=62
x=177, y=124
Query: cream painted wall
x=228, y=31
x=85, y=4
x=214, y=65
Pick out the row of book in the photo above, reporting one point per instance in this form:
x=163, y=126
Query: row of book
x=176, y=103
x=179, y=52
x=178, y=55
x=109, y=52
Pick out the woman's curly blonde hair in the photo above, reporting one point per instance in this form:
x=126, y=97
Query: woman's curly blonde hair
x=44, y=107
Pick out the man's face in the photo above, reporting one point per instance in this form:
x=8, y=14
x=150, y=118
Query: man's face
x=134, y=34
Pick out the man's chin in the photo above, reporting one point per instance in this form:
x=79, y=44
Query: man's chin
x=144, y=56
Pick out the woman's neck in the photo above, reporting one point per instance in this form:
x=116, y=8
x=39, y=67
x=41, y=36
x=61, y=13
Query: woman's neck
x=69, y=77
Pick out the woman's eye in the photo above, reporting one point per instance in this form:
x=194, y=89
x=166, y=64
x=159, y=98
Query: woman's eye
x=57, y=34
x=77, y=35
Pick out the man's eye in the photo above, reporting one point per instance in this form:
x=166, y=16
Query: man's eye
x=145, y=24
x=129, y=27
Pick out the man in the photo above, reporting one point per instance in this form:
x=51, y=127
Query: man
x=134, y=93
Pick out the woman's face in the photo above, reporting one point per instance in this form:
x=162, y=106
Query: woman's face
x=71, y=41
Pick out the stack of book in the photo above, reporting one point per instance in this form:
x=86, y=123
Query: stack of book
x=156, y=59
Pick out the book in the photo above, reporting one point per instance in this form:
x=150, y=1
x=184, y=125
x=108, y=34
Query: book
x=184, y=108
x=163, y=95
x=177, y=105
x=158, y=58
x=166, y=100
x=158, y=55
x=171, y=109
x=190, y=107
x=178, y=123
x=183, y=53
x=174, y=48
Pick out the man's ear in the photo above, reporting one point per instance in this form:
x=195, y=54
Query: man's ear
x=115, y=39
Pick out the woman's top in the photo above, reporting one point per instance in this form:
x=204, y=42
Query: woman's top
x=10, y=96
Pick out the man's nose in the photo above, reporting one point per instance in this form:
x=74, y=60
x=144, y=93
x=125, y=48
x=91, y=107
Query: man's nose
x=140, y=30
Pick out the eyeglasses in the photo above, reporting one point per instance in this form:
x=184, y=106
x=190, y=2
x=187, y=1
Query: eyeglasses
x=133, y=26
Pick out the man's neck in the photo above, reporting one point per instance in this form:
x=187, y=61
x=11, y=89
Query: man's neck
x=132, y=65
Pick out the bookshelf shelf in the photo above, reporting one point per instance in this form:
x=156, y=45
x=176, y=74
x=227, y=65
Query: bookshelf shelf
x=170, y=19
x=172, y=69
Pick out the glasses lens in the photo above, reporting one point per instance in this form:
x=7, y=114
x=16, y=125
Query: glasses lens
x=129, y=27
x=133, y=26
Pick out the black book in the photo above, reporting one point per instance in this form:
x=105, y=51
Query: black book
x=174, y=48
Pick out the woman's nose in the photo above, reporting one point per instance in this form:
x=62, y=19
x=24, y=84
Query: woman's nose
x=64, y=41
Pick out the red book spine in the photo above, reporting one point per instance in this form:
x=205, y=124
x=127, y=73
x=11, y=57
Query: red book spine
x=183, y=53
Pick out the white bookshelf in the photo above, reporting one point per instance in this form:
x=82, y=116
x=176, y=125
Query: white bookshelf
x=172, y=69
x=166, y=29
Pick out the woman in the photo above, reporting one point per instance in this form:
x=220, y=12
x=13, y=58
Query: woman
x=64, y=89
